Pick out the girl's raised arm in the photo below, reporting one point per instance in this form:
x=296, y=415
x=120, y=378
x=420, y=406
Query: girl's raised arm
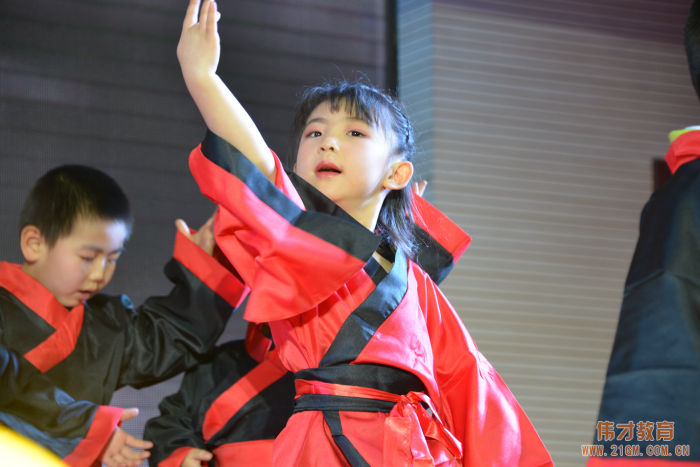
x=198, y=53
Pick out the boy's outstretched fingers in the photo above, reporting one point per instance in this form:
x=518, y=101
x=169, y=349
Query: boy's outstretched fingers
x=195, y=458
x=128, y=414
x=119, y=452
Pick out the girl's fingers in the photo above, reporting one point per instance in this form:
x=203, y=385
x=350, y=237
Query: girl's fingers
x=191, y=15
x=204, y=13
x=212, y=18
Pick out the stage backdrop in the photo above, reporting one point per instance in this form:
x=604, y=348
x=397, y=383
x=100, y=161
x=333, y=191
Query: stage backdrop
x=98, y=83
x=540, y=120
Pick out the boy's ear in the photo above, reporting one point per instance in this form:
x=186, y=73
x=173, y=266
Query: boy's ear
x=400, y=175
x=32, y=243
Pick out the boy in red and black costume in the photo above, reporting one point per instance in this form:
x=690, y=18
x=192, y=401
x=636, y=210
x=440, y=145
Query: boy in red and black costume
x=73, y=227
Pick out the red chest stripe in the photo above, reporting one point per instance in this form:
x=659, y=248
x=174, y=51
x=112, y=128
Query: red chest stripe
x=235, y=397
x=34, y=295
x=38, y=299
x=60, y=344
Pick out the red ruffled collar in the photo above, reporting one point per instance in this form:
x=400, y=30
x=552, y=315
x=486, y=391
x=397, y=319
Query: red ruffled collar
x=684, y=149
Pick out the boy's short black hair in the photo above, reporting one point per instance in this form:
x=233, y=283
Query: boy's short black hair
x=691, y=40
x=69, y=192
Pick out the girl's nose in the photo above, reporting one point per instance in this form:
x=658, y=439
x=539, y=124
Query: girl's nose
x=329, y=145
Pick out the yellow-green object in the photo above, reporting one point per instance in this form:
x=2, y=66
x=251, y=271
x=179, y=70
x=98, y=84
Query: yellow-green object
x=17, y=450
x=676, y=133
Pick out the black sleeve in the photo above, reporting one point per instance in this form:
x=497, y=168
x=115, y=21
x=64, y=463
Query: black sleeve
x=31, y=405
x=177, y=427
x=166, y=334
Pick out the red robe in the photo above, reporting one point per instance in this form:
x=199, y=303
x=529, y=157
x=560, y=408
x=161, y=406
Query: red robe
x=386, y=373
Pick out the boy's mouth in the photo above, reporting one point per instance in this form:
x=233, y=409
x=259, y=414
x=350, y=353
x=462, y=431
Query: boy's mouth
x=327, y=169
x=85, y=294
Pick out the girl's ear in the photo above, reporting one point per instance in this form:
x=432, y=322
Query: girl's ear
x=399, y=176
x=32, y=243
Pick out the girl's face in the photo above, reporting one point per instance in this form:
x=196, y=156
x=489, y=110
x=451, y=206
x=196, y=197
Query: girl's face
x=345, y=158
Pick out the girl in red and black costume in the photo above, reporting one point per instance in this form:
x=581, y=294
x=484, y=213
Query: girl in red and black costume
x=386, y=373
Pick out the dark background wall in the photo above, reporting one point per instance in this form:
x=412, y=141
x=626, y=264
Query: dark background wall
x=98, y=83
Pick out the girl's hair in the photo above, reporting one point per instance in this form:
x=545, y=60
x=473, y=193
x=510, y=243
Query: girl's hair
x=380, y=110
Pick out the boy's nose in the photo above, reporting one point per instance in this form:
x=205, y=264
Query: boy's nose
x=97, y=272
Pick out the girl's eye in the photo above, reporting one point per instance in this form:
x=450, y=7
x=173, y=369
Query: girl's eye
x=354, y=133
x=314, y=134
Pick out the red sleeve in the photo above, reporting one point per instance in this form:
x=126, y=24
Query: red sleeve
x=90, y=448
x=441, y=241
x=272, y=240
x=475, y=403
x=208, y=270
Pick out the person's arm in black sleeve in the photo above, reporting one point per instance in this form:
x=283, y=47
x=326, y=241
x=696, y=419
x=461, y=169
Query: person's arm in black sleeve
x=175, y=432
x=31, y=405
x=168, y=333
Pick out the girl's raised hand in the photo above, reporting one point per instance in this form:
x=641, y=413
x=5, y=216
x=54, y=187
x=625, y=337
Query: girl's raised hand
x=198, y=50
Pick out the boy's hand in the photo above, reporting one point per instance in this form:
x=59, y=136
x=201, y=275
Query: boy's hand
x=119, y=453
x=419, y=188
x=195, y=458
x=198, y=50
x=204, y=237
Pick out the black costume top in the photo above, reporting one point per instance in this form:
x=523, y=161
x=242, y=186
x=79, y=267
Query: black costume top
x=104, y=344
x=233, y=404
x=653, y=377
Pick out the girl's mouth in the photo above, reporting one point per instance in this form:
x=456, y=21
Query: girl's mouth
x=327, y=169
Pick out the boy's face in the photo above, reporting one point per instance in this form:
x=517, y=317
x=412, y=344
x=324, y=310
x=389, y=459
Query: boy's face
x=80, y=264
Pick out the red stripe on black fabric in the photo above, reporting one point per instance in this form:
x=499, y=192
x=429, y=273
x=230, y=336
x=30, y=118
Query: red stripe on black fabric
x=176, y=458
x=256, y=344
x=60, y=344
x=209, y=271
x=87, y=452
x=256, y=453
x=230, y=401
x=360, y=326
x=34, y=295
x=330, y=224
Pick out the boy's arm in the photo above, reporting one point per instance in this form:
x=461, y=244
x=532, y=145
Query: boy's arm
x=167, y=334
x=198, y=53
x=77, y=431
x=173, y=433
